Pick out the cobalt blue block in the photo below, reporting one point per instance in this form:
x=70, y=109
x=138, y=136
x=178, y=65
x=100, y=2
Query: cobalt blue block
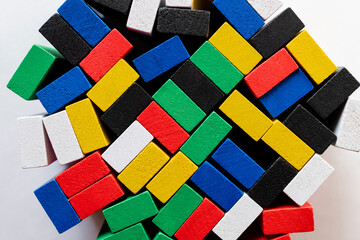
x=214, y=184
x=236, y=162
x=56, y=206
x=84, y=20
x=241, y=16
x=161, y=58
x=286, y=93
x=63, y=90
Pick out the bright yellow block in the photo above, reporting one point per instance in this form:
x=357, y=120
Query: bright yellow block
x=87, y=126
x=165, y=184
x=143, y=168
x=311, y=57
x=288, y=145
x=244, y=114
x=235, y=48
x=113, y=85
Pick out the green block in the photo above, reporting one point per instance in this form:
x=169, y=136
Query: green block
x=216, y=67
x=130, y=211
x=177, y=210
x=205, y=139
x=136, y=232
x=179, y=106
x=33, y=71
x=161, y=236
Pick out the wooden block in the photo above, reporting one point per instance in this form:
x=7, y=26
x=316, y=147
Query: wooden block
x=236, y=162
x=130, y=211
x=265, y=8
x=84, y=21
x=112, y=85
x=63, y=90
x=134, y=232
x=308, y=180
x=96, y=196
x=127, y=146
x=56, y=206
x=121, y=6
x=62, y=138
x=161, y=58
x=235, y=48
x=175, y=173
x=311, y=57
x=143, y=168
x=105, y=55
x=87, y=127
x=179, y=3
x=248, y=117
x=161, y=236
x=35, y=147
x=163, y=127
x=200, y=222
x=173, y=215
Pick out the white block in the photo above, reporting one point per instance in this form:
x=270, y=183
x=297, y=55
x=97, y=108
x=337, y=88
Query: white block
x=35, y=147
x=238, y=219
x=179, y=3
x=62, y=137
x=265, y=8
x=127, y=146
x=308, y=180
x=142, y=16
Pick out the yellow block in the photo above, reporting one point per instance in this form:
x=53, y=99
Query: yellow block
x=288, y=145
x=87, y=126
x=143, y=168
x=311, y=57
x=235, y=48
x=244, y=114
x=113, y=85
x=165, y=184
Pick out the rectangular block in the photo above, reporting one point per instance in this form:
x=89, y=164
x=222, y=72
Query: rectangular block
x=265, y=8
x=122, y=6
x=179, y=3
x=134, y=232
x=161, y=236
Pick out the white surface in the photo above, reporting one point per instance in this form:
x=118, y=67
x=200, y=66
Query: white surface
x=265, y=8
x=179, y=3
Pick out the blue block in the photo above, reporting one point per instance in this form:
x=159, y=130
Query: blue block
x=63, y=90
x=214, y=184
x=286, y=93
x=56, y=206
x=161, y=58
x=241, y=16
x=236, y=162
x=84, y=20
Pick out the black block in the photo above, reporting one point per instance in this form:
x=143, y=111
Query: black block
x=121, y=6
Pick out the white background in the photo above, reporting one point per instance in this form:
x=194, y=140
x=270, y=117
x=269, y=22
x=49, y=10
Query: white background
x=334, y=25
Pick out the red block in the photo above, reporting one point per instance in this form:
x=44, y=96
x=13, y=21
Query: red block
x=82, y=174
x=287, y=219
x=105, y=55
x=200, y=222
x=96, y=196
x=163, y=127
x=271, y=72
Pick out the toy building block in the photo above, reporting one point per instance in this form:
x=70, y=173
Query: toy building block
x=161, y=236
x=97, y=196
x=161, y=58
x=127, y=146
x=265, y=8
x=62, y=138
x=175, y=173
x=333, y=93
x=112, y=85
x=84, y=21
x=235, y=48
x=82, y=174
x=241, y=15
x=35, y=147
x=56, y=206
x=236, y=162
x=122, y=6
x=244, y=114
x=63, y=90
x=87, y=127
x=272, y=183
x=177, y=210
x=130, y=211
x=105, y=55
x=311, y=57
x=163, y=127
x=200, y=222
x=143, y=168
x=179, y=3
x=134, y=232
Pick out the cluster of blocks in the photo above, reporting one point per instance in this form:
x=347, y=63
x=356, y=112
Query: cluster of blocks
x=221, y=142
